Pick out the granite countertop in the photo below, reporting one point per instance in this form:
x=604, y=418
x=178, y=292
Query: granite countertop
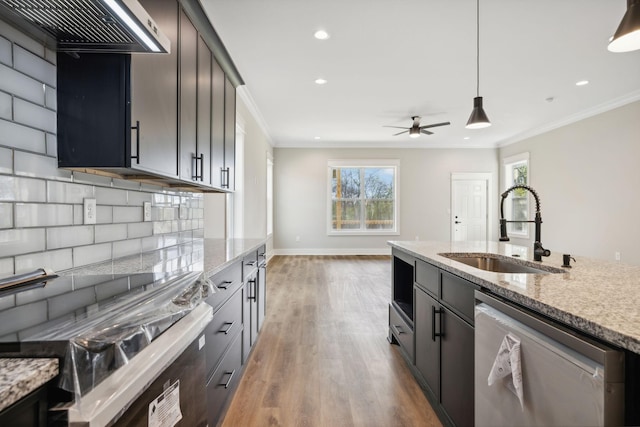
x=19, y=377
x=594, y=296
x=207, y=255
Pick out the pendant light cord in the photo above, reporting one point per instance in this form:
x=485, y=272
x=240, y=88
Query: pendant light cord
x=477, y=47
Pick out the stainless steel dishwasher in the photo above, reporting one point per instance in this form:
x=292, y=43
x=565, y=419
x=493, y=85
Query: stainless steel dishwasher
x=565, y=379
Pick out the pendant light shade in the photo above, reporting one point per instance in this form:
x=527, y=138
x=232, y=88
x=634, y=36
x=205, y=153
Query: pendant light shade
x=414, y=132
x=478, y=118
x=627, y=36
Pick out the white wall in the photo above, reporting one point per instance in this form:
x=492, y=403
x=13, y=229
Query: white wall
x=587, y=175
x=300, y=187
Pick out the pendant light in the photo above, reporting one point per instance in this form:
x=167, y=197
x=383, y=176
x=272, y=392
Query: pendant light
x=627, y=36
x=478, y=118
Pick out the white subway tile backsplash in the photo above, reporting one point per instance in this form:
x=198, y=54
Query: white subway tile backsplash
x=152, y=243
x=62, y=304
x=22, y=137
x=66, y=192
x=137, y=198
x=62, y=285
x=57, y=260
x=28, y=164
x=111, y=196
x=43, y=215
x=5, y=106
x=161, y=227
x=111, y=232
x=127, y=214
x=124, y=184
x=34, y=66
x=112, y=288
x=127, y=247
x=104, y=214
x=52, y=144
x=14, y=189
x=171, y=239
x=6, y=267
x=160, y=199
x=21, y=85
x=66, y=237
x=21, y=241
x=34, y=115
x=6, y=160
x=5, y=51
x=141, y=229
x=7, y=301
x=85, y=255
x=50, y=98
x=6, y=215
x=78, y=214
x=23, y=317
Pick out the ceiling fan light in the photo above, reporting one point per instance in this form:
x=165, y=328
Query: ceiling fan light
x=627, y=36
x=414, y=132
x=478, y=118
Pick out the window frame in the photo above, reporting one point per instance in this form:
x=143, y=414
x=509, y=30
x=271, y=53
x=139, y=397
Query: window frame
x=363, y=164
x=508, y=164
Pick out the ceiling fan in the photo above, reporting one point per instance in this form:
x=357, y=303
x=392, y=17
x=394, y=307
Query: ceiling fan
x=416, y=129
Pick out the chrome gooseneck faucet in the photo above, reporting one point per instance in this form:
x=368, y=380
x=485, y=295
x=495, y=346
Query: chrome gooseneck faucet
x=538, y=250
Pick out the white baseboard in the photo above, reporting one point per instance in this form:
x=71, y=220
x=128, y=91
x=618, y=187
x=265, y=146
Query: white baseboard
x=333, y=251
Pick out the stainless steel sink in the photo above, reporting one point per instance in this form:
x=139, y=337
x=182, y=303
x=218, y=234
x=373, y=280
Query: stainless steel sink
x=500, y=264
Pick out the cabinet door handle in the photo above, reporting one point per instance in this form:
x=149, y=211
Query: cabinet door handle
x=435, y=311
x=228, y=325
x=252, y=263
x=224, y=285
x=231, y=374
x=253, y=282
x=224, y=172
x=137, y=129
x=198, y=176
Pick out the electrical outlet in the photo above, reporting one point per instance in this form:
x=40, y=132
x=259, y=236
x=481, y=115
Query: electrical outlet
x=146, y=211
x=90, y=211
x=617, y=256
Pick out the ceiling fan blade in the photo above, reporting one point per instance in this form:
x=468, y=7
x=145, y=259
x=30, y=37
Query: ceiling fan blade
x=426, y=132
x=400, y=133
x=435, y=125
x=397, y=127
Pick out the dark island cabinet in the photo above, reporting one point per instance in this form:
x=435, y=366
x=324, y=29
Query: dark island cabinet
x=168, y=117
x=30, y=411
x=442, y=334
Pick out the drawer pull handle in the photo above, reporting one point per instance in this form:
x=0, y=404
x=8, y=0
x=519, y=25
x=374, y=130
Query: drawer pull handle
x=399, y=329
x=225, y=284
x=228, y=325
x=252, y=263
x=435, y=311
x=231, y=374
x=253, y=288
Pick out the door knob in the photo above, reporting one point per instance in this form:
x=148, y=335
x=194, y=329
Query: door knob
x=457, y=222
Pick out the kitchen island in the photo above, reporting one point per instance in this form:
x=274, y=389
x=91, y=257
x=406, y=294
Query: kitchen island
x=432, y=311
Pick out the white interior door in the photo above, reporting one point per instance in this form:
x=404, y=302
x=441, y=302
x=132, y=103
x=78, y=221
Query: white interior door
x=469, y=209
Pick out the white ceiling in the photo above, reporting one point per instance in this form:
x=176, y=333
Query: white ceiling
x=387, y=60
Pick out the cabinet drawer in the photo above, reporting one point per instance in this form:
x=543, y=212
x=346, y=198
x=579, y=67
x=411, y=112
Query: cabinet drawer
x=224, y=326
x=262, y=254
x=223, y=381
x=428, y=277
x=250, y=263
x=227, y=281
x=457, y=293
x=402, y=331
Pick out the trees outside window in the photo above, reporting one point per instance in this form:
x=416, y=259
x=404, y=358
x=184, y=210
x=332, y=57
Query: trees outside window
x=363, y=199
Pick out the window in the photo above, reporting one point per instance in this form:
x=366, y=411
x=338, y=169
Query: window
x=363, y=197
x=516, y=206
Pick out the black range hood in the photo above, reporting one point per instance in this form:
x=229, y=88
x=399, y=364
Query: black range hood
x=114, y=26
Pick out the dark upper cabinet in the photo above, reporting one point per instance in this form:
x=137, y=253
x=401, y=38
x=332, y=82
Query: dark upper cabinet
x=217, y=124
x=203, y=142
x=229, y=135
x=188, y=52
x=168, y=116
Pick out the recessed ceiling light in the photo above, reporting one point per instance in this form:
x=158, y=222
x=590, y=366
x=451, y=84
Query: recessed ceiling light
x=321, y=81
x=316, y=137
x=582, y=83
x=321, y=35
x=466, y=137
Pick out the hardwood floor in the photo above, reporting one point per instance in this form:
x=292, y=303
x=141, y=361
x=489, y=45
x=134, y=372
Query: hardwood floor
x=322, y=358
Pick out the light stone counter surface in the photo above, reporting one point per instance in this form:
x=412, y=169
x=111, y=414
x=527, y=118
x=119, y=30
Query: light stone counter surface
x=598, y=297
x=19, y=377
